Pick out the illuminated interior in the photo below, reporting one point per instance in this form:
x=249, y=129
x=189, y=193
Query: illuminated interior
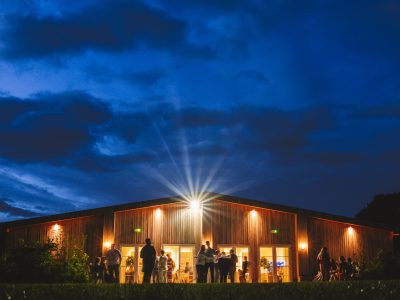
x=131, y=265
x=274, y=264
x=128, y=265
x=241, y=252
x=183, y=256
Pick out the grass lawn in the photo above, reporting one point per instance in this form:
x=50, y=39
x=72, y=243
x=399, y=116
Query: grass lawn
x=354, y=290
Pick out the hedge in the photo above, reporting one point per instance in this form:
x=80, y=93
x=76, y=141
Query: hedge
x=354, y=290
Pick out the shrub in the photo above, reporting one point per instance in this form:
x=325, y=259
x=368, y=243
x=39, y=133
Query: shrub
x=385, y=266
x=43, y=263
x=356, y=290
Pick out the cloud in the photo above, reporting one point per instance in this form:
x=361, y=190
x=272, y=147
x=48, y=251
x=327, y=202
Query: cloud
x=146, y=78
x=49, y=126
x=251, y=75
x=13, y=211
x=112, y=27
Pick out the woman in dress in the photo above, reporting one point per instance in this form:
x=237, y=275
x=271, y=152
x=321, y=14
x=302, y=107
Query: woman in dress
x=170, y=268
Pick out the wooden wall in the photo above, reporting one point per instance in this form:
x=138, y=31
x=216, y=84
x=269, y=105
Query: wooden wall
x=227, y=223
x=363, y=242
x=70, y=233
x=165, y=224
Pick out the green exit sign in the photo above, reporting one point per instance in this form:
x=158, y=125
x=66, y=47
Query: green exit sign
x=274, y=231
x=138, y=230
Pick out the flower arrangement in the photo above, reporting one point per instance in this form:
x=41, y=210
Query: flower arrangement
x=129, y=261
x=265, y=264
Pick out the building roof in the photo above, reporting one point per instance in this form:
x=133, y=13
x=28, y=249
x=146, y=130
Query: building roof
x=178, y=199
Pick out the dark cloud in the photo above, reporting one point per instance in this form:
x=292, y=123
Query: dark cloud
x=13, y=211
x=49, y=126
x=251, y=75
x=145, y=78
x=109, y=27
x=385, y=111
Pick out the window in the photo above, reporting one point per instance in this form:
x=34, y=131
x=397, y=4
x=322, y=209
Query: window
x=274, y=264
x=242, y=253
x=183, y=257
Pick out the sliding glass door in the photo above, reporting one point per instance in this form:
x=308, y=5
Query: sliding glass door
x=183, y=257
x=275, y=264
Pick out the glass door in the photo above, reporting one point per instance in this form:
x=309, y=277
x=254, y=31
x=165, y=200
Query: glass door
x=275, y=264
x=139, y=273
x=186, y=265
x=282, y=264
x=131, y=264
x=266, y=264
x=127, y=264
x=243, y=254
x=182, y=269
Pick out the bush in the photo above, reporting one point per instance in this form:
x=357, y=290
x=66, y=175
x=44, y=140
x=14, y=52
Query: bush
x=356, y=290
x=38, y=262
x=385, y=266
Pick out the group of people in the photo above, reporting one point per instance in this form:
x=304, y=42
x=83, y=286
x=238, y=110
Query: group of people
x=330, y=270
x=213, y=264
x=219, y=264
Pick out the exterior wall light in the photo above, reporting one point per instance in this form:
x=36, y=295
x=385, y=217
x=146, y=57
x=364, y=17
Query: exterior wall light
x=107, y=245
x=303, y=246
x=158, y=212
x=56, y=227
x=350, y=230
x=253, y=213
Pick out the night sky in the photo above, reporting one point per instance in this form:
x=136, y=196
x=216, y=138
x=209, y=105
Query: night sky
x=291, y=102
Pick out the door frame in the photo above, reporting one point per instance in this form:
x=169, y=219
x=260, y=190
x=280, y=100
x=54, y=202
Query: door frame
x=274, y=246
x=135, y=259
x=193, y=246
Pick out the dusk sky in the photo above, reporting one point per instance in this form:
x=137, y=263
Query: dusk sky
x=107, y=102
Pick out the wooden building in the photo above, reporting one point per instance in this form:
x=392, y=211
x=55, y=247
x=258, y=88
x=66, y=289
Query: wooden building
x=280, y=242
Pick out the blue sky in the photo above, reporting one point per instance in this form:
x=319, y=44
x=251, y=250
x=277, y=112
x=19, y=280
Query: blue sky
x=104, y=102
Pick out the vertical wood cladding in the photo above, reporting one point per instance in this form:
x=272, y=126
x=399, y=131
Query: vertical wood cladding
x=361, y=243
x=70, y=232
x=165, y=224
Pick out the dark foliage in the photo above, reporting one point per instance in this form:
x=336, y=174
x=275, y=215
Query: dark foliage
x=385, y=266
x=37, y=262
x=385, y=209
x=357, y=290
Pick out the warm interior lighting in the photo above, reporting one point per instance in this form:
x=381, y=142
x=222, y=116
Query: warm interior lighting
x=350, y=230
x=194, y=204
x=107, y=245
x=303, y=246
x=253, y=213
x=158, y=212
x=56, y=227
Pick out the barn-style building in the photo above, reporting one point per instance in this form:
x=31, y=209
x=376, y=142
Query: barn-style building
x=280, y=242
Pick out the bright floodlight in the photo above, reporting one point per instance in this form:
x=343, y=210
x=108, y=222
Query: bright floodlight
x=194, y=204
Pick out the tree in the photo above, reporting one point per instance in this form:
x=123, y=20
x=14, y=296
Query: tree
x=385, y=209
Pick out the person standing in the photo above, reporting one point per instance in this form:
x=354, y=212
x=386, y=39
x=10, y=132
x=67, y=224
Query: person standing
x=162, y=267
x=210, y=252
x=114, y=259
x=155, y=274
x=244, y=270
x=216, y=268
x=170, y=268
x=200, y=264
x=224, y=263
x=232, y=266
x=324, y=262
x=148, y=254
